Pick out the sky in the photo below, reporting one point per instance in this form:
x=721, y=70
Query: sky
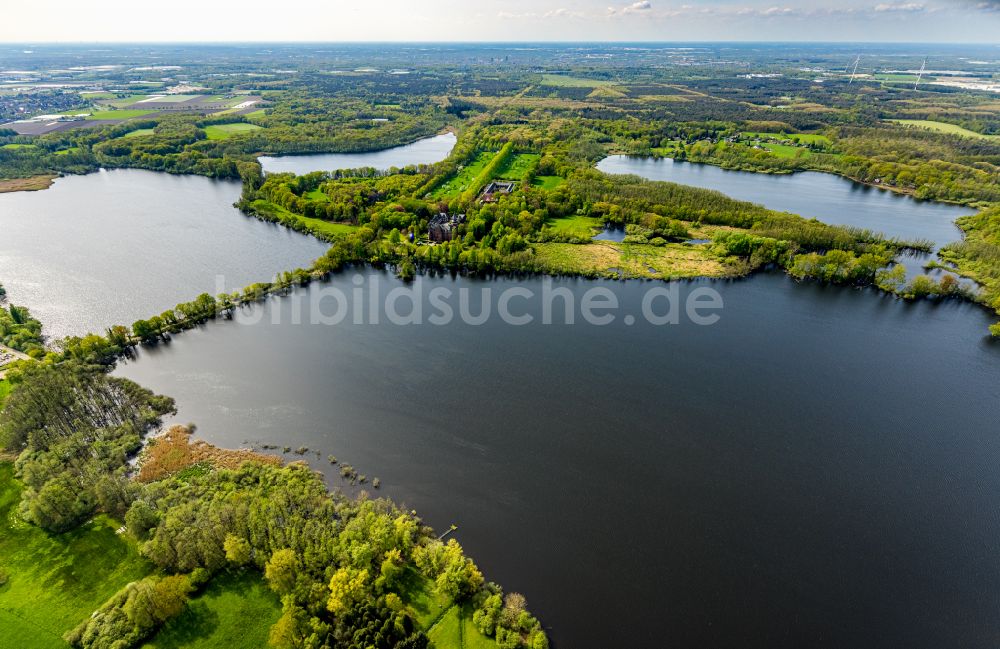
x=952, y=21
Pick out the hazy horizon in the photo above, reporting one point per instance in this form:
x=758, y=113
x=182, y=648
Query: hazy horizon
x=556, y=21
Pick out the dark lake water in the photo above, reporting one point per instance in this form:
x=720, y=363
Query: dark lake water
x=425, y=151
x=820, y=468
x=827, y=197
x=115, y=246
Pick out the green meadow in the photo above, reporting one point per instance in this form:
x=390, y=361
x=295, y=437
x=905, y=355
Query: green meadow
x=581, y=227
x=943, y=127
x=235, y=611
x=139, y=132
x=548, y=182
x=222, y=131
x=461, y=180
x=517, y=165
x=55, y=581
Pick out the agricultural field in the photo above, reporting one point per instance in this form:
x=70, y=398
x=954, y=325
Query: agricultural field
x=943, y=127
x=222, y=131
x=567, y=81
x=235, y=611
x=123, y=113
x=51, y=582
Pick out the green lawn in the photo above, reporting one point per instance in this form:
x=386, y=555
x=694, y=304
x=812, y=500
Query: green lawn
x=447, y=633
x=456, y=630
x=72, y=149
x=517, y=165
x=55, y=581
x=548, y=182
x=118, y=114
x=581, y=227
x=222, y=131
x=804, y=138
x=317, y=195
x=462, y=179
x=15, y=147
x=572, y=82
x=236, y=611
x=942, y=127
x=4, y=391
x=425, y=602
x=139, y=132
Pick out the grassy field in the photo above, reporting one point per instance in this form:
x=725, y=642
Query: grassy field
x=448, y=625
x=517, y=165
x=567, y=81
x=317, y=195
x=942, y=127
x=122, y=102
x=462, y=179
x=15, y=147
x=222, y=131
x=139, y=132
x=174, y=99
x=582, y=227
x=236, y=611
x=548, y=182
x=908, y=78
x=319, y=227
x=804, y=138
x=56, y=581
x=72, y=149
x=118, y=114
x=787, y=150
x=610, y=259
x=4, y=391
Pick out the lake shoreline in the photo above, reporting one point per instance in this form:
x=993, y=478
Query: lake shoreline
x=30, y=184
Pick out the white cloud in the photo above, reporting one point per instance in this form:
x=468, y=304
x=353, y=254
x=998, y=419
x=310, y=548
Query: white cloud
x=902, y=7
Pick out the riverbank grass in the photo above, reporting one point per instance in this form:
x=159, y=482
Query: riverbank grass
x=236, y=611
x=325, y=230
x=54, y=581
x=32, y=184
